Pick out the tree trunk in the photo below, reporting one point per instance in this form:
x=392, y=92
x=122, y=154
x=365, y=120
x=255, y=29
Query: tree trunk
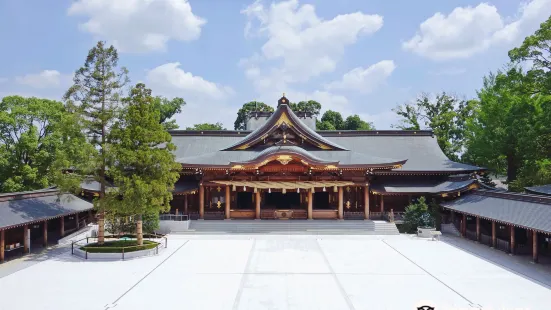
x=512, y=168
x=139, y=230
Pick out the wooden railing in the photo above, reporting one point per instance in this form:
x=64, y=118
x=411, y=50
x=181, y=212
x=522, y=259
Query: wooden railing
x=353, y=215
x=214, y=215
x=502, y=245
x=471, y=235
x=485, y=239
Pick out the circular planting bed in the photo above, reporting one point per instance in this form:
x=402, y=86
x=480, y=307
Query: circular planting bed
x=119, y=246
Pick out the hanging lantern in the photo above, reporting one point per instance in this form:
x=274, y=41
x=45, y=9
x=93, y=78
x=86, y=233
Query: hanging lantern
x=269, y=190
x=324, y=188
x=298, y=190
x=233, y=188
x=244, y=188
x=254, y=190
x=284, y=191
x=335, y=188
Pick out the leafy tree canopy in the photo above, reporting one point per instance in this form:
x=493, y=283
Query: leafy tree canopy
x=354, y=122
x=30, y=137
x=420, y=214
x=207, y=126
x=241, y=120
x=333, y=118
x=446, y=116
x=311, y=106
x=167, y=109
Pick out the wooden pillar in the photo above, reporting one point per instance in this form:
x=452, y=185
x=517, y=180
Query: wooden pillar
x=76, y=220
x=478, y=229
x=228, y=201
x=62, y=226
x=452, y=217
x=513, y=242
x=26, y=239
x=257, y=201
x=201, y=202
x=464, y=226
x=494, y=236
x=366, y=202
x=185, y=204
x=2, y=245
x=310, y=204
x=535, y=246
x=382, y=204
x=340, y=205
x=45, y=233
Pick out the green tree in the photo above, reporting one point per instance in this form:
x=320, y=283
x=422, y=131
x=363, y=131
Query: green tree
x=536, y=49
x=243, y=113
x=97, y=92
x=207, y=126
x=325, y=126
x=30, y=136
x=167, y=109
x=419, y=214
x=446, y=116
x=142, y=164
x=311, y=106
x=501, y=134
x=354, y=122
x=333, y=118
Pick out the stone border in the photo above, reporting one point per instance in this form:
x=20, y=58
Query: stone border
x=76, y=251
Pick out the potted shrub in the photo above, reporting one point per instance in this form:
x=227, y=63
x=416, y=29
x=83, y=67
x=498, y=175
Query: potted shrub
x=419, y=218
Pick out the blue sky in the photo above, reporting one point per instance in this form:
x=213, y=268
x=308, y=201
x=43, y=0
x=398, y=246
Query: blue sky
x=354, y=56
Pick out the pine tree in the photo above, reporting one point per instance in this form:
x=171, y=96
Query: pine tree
x=96, y=93
x=142, y=166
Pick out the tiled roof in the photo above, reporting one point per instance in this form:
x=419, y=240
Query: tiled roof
x=528, y=211
x=541, y=190
x=422, y=187
x=19, y=209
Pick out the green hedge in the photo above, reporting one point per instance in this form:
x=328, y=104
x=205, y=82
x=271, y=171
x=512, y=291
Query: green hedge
x=118, y=246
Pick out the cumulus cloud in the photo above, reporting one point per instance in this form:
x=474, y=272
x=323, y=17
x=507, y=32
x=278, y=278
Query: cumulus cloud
x=139, y=25
x=364, y=79
x=299, y=44
x=470, y=30
x=45, y=79
x=173, y=80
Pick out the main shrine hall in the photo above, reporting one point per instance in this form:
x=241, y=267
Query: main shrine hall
x=282, y=168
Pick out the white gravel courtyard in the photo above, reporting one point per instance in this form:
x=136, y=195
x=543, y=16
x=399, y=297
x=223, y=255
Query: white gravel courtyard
x=277, y=272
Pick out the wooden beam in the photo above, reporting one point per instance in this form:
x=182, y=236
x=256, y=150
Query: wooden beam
x=2, y=245
x=382, y=204
x=310, y=204
x=185, y=204
x=494, y=236
x=340, y=206
x=26, y=239
x=366, y=202
x=535, y=246
x=45, y=233
x=513, y=243
x=62, y=226
x=478, y=229
x=228, y=201
x=201, y=201
x=257, y=201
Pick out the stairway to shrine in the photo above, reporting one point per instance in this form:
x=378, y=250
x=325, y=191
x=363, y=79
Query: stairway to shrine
x=316, y=227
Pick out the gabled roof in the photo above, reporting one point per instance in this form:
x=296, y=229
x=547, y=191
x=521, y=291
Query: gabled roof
x=17, y=209
x=540, y=190
x=527, y=211
x=437, y=187
x=284, y=117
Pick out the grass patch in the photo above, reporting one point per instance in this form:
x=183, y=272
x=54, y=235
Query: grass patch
x=118, y=246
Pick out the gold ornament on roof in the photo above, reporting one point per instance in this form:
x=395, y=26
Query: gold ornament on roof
x=284, y=159
x=218, y=204
x=348, y=204
x=218, y=188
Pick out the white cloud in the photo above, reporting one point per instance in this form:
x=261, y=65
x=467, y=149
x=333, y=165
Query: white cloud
x=299, y=45
x=206, y=100
x=45, y=79
x=139, y=25
x=364, y=79
x=470, y=30
x=172, y=80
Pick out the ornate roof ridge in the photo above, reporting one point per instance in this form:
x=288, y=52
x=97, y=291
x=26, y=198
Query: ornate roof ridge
x=284, y=118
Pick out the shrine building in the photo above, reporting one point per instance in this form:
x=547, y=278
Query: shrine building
x=282, y=168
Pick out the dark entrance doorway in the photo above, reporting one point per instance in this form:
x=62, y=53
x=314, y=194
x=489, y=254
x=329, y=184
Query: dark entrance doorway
x=281, y=201
x=321, y=200
x=244, y=200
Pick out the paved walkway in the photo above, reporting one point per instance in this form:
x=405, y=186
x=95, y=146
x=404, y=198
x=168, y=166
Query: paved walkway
x=241, y=272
